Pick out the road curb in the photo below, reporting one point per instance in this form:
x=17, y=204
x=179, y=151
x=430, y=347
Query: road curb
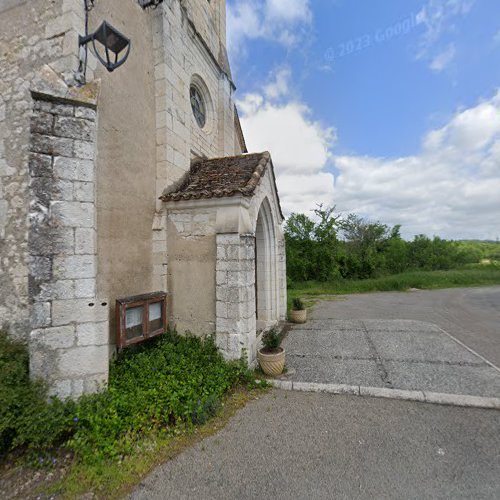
x=383, y=392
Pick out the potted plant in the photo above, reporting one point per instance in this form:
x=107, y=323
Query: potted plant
x=271, y=356
x=298, y=314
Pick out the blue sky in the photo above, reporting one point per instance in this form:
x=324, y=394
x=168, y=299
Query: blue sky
x=387, y=108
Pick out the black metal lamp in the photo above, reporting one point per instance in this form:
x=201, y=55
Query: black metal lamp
x=114, y=44
x=150, y=3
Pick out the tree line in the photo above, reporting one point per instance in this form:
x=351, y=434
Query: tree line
x=333, y=246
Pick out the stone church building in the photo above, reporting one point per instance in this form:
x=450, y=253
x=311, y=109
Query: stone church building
x=118, y=184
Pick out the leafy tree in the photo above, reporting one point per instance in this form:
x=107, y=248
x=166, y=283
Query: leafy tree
x=312, y=246
x=329, y=247
x=396, y=252
x=364, y=242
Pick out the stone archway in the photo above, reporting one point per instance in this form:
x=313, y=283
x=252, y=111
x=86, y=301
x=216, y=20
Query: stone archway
x=225, y=240
x=265, y=268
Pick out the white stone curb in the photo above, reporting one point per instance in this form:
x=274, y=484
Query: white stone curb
x=382, y=392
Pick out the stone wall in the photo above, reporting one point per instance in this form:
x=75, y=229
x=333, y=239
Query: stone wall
x=32, y=34
x=267, y=196
x=80, y=219
x=69, y=337
x=235, y=296
x=283, y=305
x=131, y=251
x=187, y=50
x=221, y=235
x=188, y=38
x=191, y=269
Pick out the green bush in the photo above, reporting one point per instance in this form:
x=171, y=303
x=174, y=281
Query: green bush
x=170, y=381
x=331, y=247
x=175, y=380
x=271, y=341
x=27, y=418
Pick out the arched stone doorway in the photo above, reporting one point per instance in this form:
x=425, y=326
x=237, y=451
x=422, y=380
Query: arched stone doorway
x=225, y=243
x=265, y=268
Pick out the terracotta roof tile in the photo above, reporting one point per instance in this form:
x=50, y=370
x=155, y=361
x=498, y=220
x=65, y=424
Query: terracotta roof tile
x=220, y=177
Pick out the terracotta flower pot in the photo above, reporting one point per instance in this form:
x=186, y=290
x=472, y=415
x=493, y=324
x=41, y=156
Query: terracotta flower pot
x=272, y=363
x=298, y=316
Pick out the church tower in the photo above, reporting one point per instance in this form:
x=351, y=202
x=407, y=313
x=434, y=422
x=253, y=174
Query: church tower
x=195, y=99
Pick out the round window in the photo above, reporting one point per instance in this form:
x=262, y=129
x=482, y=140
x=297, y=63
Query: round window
x=198, y=106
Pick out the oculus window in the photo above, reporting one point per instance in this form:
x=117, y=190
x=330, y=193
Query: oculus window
x=198, y=106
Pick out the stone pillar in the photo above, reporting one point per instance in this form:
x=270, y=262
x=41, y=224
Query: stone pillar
x=69, y=336
x=235, y=296
x=282, y=278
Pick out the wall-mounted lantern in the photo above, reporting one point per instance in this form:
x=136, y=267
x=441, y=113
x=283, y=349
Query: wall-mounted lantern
x=150, y=3
x=114, y=44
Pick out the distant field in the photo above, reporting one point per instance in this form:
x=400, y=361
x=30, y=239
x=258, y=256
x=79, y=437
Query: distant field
x=474, y=275
x=488, y=250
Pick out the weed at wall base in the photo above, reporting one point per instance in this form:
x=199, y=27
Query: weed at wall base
x=172, y=381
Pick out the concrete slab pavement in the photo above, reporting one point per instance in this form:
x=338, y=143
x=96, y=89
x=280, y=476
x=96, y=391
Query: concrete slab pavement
x=408, y=355
x=471, y=315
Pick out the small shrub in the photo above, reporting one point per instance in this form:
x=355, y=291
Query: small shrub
x=271, y=341
x=298, y=305
x=27, y=419
x=172, y=381
x=167, y=382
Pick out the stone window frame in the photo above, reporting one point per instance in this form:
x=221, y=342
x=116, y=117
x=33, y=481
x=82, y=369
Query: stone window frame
x=199, y=84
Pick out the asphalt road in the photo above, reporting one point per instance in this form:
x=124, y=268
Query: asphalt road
x=290, y=445
x=295, y=445
x=472, y=315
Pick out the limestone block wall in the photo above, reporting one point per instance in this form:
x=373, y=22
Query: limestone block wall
x=69, y=325
x=188, y=38
x=185, y=49
x=32, y=33
x=222, y=235
x=210, y=20
x=282, y=284
x=235, y=296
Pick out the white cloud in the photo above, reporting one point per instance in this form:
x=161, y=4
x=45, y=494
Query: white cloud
x=300, y=147
x=451, y=188
x=443, y=59
x=439, y=18
x=280, y=87
x=282, y=21
x=288, y=10
x=496, y=38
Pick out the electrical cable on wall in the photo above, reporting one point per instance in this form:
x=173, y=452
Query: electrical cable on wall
x=81, y=74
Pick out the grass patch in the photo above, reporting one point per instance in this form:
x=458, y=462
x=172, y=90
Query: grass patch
x=161, y=395
x=473, y=275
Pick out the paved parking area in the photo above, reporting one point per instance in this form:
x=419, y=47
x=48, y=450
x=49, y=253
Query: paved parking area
x=395, y=354
x=309, y=445
x=297, y=445
x=406, y=354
